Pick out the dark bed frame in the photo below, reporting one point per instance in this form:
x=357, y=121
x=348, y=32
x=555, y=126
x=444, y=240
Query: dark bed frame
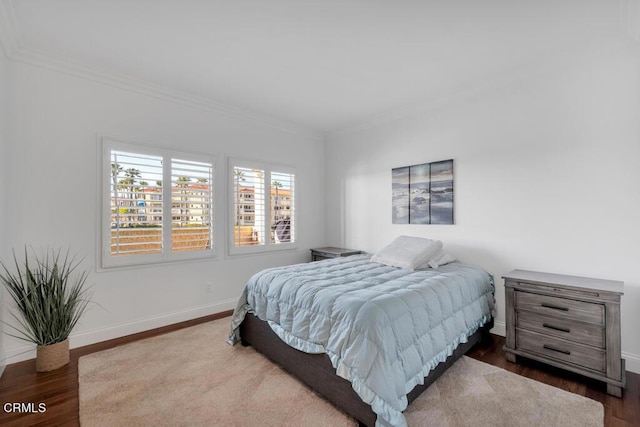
x=316, y=371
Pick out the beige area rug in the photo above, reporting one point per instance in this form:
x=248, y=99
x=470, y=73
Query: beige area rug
x=192, y=377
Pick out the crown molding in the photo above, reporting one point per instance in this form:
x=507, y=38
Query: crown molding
x=16, y=50
x=629, y=29
x=567, y=59
x=78, y=69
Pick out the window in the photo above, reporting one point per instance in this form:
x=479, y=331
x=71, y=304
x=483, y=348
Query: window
x=263, y=207
x=156, y=206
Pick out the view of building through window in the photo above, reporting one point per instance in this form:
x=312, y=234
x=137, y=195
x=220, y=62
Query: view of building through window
x=263, y=207
x=139, y=203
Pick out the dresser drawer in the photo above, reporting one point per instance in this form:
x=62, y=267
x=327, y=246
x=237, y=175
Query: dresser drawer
x=566, y=308
x=563, y=350
x=580, y=332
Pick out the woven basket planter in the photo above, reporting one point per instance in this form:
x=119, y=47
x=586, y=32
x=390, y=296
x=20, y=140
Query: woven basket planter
x=54, y=356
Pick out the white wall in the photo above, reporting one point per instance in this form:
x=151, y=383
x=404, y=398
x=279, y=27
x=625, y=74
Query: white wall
x=54, y=199
x=546, y=174
x=4, y=182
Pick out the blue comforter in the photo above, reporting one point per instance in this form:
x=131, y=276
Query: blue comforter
x=384, y=328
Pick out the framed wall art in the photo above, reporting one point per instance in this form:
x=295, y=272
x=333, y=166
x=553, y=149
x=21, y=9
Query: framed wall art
x=422, y=194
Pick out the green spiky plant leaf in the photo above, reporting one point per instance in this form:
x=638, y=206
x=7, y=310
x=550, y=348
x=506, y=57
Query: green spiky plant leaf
x=50, y=294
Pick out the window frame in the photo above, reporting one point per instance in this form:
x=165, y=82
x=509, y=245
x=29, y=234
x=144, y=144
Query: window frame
x=107, y=261
x=268, y=168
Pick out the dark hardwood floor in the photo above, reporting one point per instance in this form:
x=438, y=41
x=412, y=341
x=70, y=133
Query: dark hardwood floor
x=58, y=389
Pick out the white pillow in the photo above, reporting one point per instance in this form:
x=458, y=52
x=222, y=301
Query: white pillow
x=441, y=258
x=407, y=252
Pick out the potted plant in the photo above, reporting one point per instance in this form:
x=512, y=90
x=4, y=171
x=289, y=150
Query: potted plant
x=50, y=295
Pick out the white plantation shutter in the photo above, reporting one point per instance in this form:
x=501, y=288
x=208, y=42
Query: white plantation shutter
x=146, y=220
x=282, y=207
x=248, y=207
x=135, y=204
x=263, y=207
x=191, y=205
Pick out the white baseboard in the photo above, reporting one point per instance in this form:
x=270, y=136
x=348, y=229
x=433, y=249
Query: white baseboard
x=28, y=351
x=20, y=353
x=499, y=328
x=632, y=362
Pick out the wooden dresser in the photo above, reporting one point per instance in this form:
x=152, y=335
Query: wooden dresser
x=568, y=322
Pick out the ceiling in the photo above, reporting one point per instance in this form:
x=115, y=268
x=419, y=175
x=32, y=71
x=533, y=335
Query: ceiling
x=323, y=64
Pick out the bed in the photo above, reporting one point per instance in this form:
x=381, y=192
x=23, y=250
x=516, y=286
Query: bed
x=369, y=337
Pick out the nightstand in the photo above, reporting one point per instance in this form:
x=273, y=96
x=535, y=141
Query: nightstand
x=568, y=322
x=318, y=254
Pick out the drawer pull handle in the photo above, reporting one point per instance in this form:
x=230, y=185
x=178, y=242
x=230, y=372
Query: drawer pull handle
x=554, y=307
x=548, y=347
x=546, y=325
